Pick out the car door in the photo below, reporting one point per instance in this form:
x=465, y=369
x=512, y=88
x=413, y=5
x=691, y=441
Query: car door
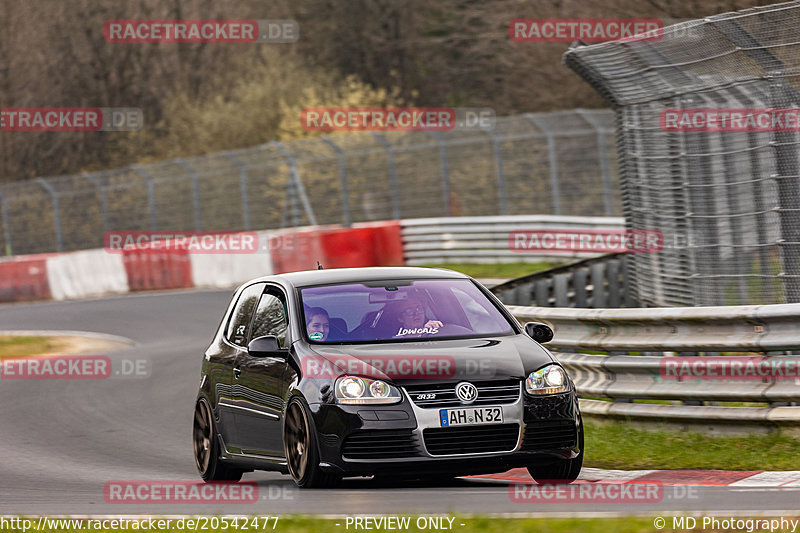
x=233, y=343
x=260, y=380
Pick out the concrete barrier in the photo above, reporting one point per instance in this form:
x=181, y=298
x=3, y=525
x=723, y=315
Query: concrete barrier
x=24, y=278
x=84, y=274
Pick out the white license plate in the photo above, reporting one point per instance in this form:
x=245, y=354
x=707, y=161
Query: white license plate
x=470, y=416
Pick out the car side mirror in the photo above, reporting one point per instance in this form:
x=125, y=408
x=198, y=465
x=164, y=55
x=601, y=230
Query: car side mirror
x=539, y=332
x=266, y=346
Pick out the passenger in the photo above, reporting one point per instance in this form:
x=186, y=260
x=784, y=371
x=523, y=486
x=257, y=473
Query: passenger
x=318, y=324
x=410, y=314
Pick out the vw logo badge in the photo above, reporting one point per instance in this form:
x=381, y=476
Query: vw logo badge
x=466, y=392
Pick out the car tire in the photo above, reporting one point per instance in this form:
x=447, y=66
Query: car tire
x=561, y=472
x=206, y=448
x=300, y=445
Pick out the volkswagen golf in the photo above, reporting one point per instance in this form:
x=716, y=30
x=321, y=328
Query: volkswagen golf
x=386, y=372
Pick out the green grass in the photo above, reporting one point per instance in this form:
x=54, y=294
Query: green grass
x=299, y=524
x=617, y=445
x=13, y=346
x=498, y=270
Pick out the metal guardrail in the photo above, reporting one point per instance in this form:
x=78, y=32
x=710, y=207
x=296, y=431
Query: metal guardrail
x=746, y=328
x=624, y=379
x=598, y=282
x=486, y=239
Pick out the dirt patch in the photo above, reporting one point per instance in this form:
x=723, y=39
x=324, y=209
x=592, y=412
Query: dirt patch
x=30, y=344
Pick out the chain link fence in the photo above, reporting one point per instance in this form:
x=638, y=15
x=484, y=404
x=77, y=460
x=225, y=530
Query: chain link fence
x=727, y=201
x=545, y=163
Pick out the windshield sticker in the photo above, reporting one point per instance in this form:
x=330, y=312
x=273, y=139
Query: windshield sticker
x=316, y=336
x=416, y=331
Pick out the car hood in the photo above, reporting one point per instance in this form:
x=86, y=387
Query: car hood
x=486, y=358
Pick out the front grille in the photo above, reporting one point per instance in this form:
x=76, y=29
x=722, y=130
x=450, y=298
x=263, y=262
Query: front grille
x=471, y=439
x=552, y=435
x=381, y=444
x=444, y=394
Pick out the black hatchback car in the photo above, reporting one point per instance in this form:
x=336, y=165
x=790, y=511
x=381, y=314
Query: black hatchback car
x=404, y=372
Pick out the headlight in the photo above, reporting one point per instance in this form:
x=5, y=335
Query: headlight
x=548, y=380
x=355, y=390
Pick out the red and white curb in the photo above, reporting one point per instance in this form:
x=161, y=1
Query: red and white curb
x=717, y=478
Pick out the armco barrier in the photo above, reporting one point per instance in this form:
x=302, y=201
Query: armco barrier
x=485, y=239
x=740, y=328
x=24, y=278
x=765, y=329
x=599, y=282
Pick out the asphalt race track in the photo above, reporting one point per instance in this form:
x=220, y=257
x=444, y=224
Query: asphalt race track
x=63, y=440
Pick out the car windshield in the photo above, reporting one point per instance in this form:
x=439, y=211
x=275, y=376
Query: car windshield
x=399, y=310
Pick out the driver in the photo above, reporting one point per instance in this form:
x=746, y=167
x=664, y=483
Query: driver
x=410, y=315
x=318, y=324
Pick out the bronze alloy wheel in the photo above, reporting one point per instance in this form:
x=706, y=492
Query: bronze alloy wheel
x=297, y=440
x=202, y=437
x=206, y=448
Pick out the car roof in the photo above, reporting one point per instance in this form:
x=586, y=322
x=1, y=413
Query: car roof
x=344, y=275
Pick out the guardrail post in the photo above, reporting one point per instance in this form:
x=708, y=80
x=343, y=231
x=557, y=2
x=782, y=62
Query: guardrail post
x=560, y=290
x=198, y=223
x=243, y=189
x=437, y=136
x=392, y=174
x=612, y=271
x=151, y=195
x=294, y=177
x=56, y=212
x=524, y=294
x=579, y=286
x=627, y=292
x=602, y=157
x=6, y=227
x=342, y=179
x=596, y=273
x=553, y=160
x=101, y=191
x=542, y=293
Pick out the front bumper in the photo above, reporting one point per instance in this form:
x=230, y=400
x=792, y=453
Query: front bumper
x=367, y=440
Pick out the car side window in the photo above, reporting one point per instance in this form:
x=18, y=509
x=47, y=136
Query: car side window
x=242, y=313
x=270, y=316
